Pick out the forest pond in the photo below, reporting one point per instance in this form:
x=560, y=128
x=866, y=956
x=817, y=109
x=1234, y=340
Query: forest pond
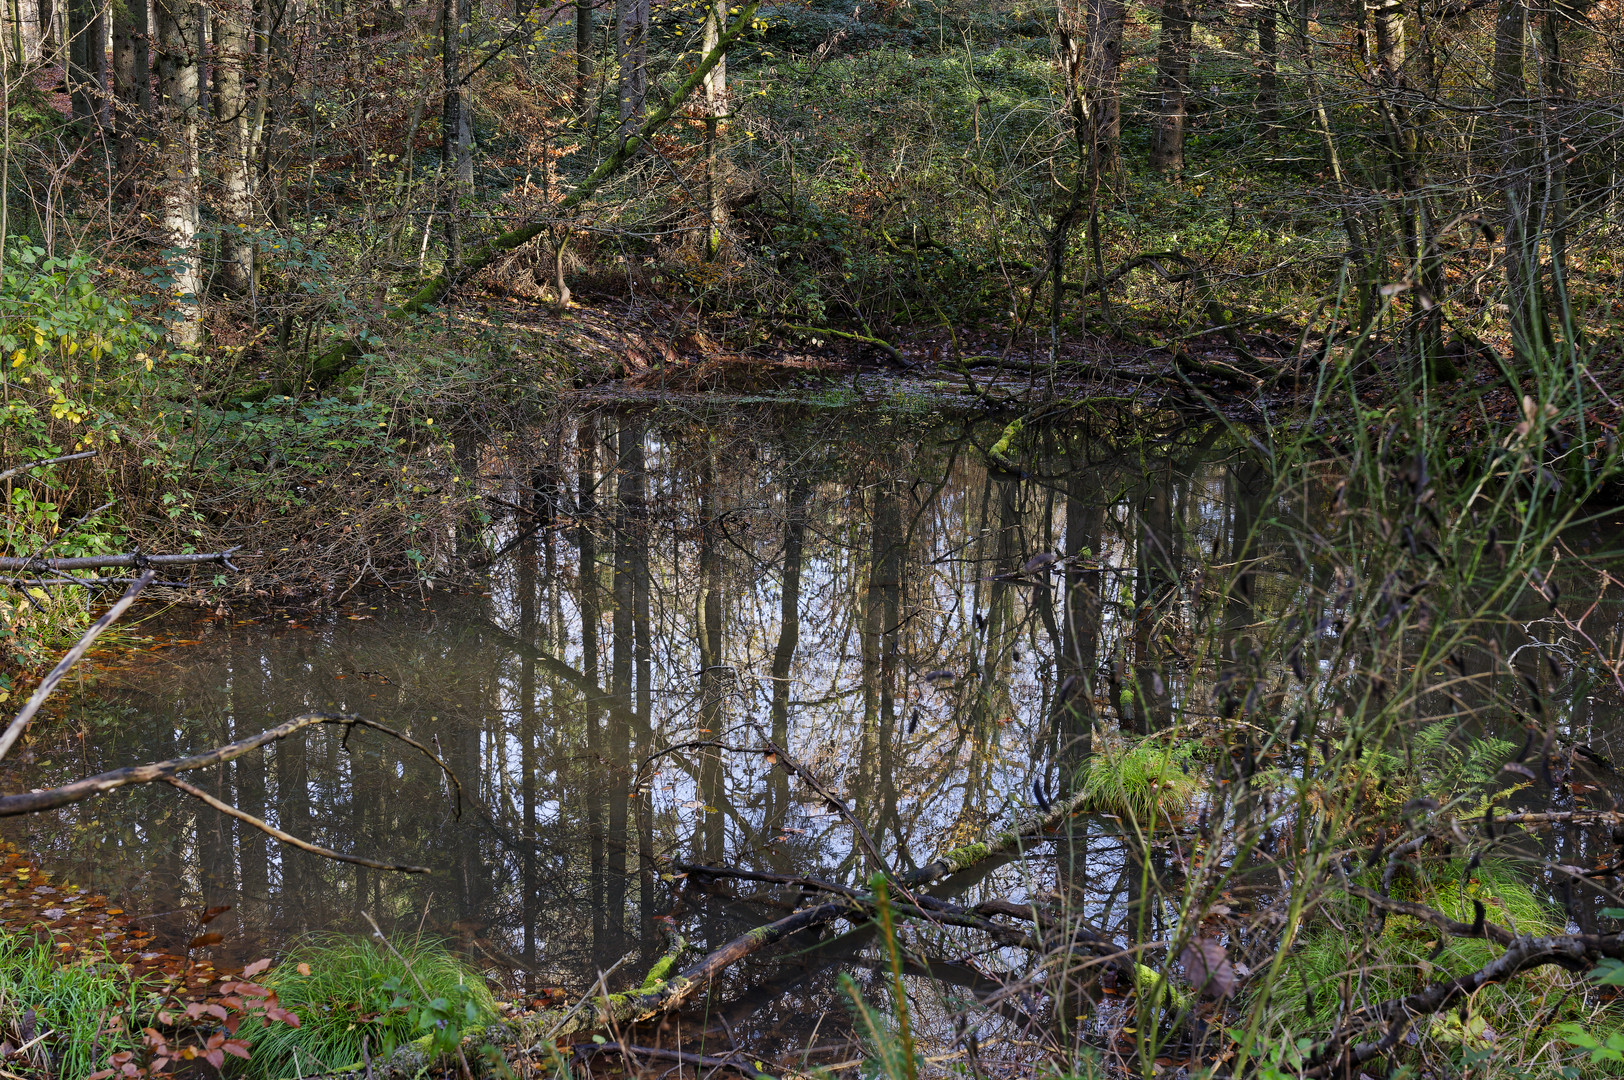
x=867, y=591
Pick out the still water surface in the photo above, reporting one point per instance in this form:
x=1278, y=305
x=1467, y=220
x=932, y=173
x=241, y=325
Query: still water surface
x=850, y=587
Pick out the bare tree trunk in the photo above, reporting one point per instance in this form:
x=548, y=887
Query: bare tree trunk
x=27, y=30
x=1268, y=79
x=87, y=61
x=1102, y=75
x=583, y=55
x=178, y=33
x=1388, y=16
x=1173, y=77
x=715, y=131
x=233, y=54
x=50, y=43
x=455, y=126
x=132, y=88
x=16, y=51
x=631, y=46
x=1524, y=297
x=1558, y=115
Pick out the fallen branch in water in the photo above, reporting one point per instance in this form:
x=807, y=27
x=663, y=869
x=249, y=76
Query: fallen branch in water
x=632, y=1053
x=287, y=837
x=658, y=997
x=1564, y=817
x=34, y=802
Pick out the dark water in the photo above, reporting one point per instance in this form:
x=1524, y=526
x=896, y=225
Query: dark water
x=849, y=586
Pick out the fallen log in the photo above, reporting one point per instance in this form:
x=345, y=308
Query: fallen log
x=133, y=559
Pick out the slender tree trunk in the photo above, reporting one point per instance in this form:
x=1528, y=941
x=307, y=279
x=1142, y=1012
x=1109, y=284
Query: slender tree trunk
x=233, y=54
x=1524, y=297
x=789, y=633
x=87, y=61
x=584, y=10
x=50, y=42
x=1268, y=79
x=1102, y=76
x=456, y=129
x=715, y=131
x=1557, y=115
x=132, y=89
x=1172, y=80
x=631, y=46
x=178, y=31
x=16, y=51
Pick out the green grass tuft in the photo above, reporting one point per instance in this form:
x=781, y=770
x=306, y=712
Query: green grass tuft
x=1143, y=781
x=348, y=996
x=82, y=1007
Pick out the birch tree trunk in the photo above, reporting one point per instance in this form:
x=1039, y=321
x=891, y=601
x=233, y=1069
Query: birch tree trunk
x=178, y=30
x=715, y=131
x=631, y=47
x=1173, y=76
x=234, y=50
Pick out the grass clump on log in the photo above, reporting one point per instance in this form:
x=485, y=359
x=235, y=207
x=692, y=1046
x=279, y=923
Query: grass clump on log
x=1144, y=781
x=344, y=989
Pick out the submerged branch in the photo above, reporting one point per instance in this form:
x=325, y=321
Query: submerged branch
x=134, y=558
